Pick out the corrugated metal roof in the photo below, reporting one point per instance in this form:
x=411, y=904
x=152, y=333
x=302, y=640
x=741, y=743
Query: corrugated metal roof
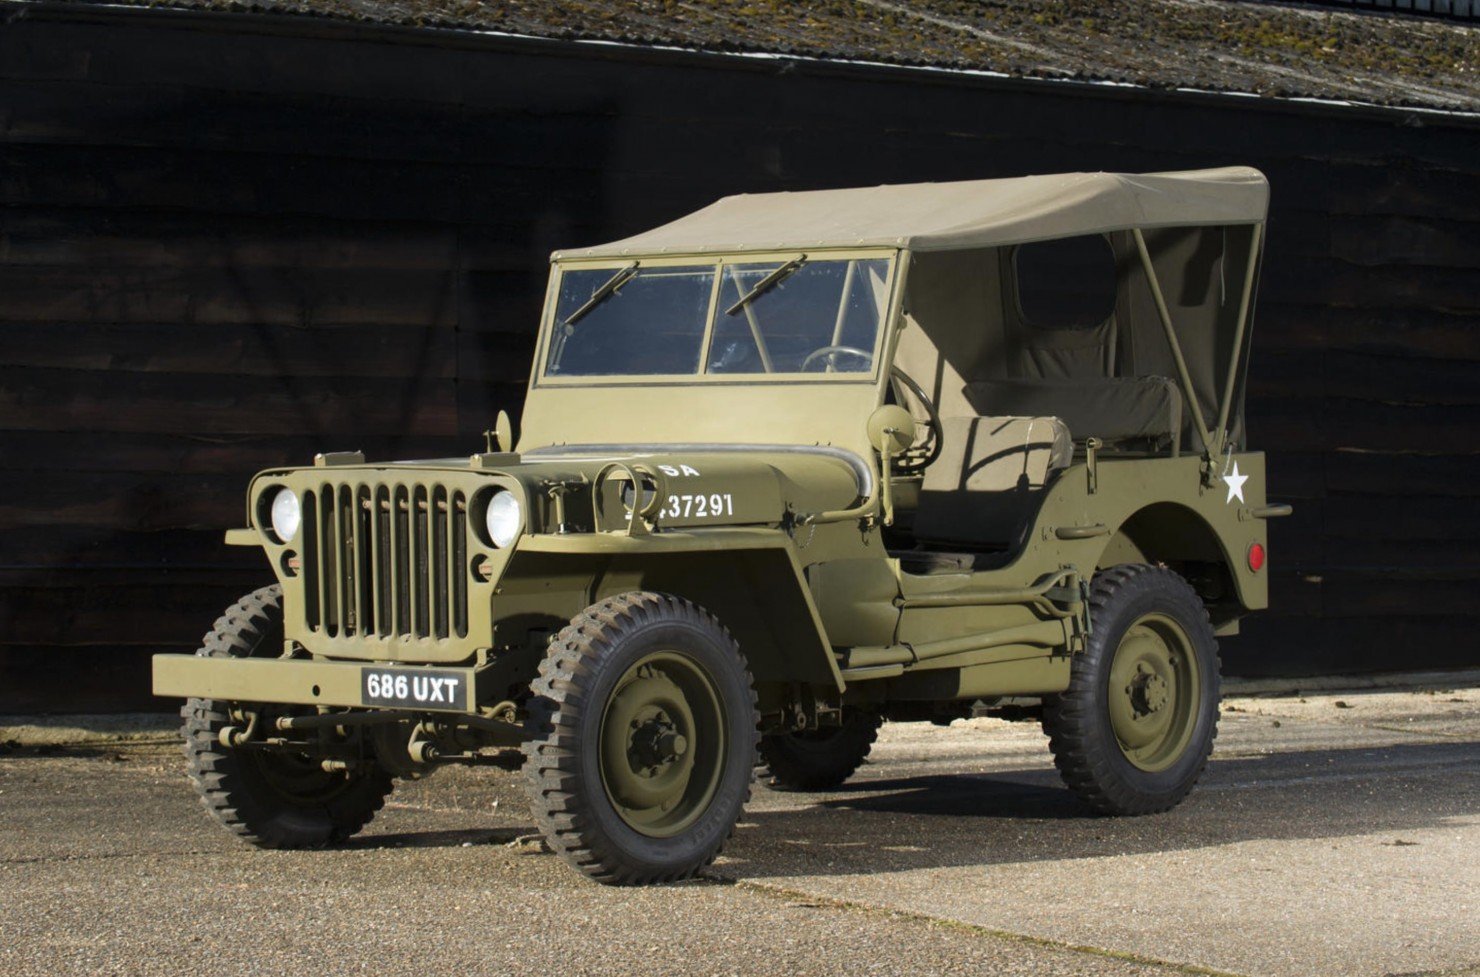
x=1274, y=50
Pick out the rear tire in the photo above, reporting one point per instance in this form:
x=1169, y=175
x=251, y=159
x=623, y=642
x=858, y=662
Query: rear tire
x=641, y=740
x=822, y=758
x=270, y=799
x=1134, y=730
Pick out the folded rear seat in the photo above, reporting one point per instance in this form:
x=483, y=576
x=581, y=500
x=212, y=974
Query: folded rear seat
x=1114, y=409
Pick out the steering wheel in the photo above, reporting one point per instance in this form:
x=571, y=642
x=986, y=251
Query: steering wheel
x=916, y=459
x=832, y=352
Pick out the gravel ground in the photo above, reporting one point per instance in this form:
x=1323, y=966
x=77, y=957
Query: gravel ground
x=1332, y=834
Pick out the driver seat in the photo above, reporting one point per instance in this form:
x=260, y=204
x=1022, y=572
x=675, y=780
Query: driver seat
x=984, y=489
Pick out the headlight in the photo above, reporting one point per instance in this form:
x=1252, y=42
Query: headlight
x=504, y=517
x=286, y=514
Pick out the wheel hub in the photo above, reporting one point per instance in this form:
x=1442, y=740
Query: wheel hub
x=1148, y=691
x=655, y=743
x=1153, y=692
x=662, y=744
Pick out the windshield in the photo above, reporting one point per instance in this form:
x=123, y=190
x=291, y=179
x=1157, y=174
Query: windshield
x=651, y=323
x=785, y=316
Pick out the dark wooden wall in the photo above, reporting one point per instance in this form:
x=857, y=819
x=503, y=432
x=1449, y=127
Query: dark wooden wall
x=1459, y=9
x=227, y=243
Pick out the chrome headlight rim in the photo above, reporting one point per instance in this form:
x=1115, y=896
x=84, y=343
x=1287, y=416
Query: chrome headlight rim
x=503, y=517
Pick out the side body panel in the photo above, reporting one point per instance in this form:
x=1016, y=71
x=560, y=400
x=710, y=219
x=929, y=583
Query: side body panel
x=971, y=636
x=1080, y=527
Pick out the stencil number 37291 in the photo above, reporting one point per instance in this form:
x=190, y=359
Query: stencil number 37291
x=699, y=506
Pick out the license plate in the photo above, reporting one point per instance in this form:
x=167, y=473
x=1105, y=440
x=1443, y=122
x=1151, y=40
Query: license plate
x=414, y=688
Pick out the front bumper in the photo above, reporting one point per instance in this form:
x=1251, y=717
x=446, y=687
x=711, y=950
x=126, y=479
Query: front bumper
x=301, y=682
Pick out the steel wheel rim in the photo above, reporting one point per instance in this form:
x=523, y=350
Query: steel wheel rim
x=1155, y=687
x=662, y=744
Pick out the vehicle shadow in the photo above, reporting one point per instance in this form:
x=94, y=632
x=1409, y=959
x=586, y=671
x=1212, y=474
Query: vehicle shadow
x=456, y=838
x=115, y=752
x=1014, y=816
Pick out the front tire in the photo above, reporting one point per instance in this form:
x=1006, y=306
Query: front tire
x=820, y=759
x=1134, y=730
x=271, y=799
x=641, y=739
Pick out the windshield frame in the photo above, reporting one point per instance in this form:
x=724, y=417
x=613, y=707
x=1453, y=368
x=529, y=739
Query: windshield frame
x=541, y=378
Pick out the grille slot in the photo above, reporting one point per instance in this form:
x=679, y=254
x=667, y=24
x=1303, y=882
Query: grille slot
x=385, y=561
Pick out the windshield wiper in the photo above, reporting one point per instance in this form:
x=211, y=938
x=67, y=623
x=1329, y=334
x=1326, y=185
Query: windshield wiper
x=597, y=297
x=766, y=284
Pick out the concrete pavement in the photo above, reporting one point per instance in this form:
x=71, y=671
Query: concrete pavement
x=1334, y=834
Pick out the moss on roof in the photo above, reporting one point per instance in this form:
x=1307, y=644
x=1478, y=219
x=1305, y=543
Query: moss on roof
x=1280, y=50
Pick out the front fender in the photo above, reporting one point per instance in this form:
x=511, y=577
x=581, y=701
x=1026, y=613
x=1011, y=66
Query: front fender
x=747, y=577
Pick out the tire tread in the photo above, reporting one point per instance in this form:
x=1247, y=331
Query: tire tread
x=216, y=771
x=1071, y=718
x=803, y=771
x=561, y=810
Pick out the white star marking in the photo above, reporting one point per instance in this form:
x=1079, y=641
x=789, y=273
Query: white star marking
x=1235, y=484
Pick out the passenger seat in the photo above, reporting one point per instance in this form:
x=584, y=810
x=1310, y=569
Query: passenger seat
x=988, y=482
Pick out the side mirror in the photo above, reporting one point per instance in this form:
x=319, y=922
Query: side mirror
x=503, y=431
x=891, y=429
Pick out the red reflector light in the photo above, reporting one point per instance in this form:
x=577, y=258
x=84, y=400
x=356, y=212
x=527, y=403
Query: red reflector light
x=1256, y=557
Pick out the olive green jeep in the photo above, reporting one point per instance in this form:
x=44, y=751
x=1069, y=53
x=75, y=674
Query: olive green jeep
x=789, y=466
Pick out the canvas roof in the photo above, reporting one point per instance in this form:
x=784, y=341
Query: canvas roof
x=955, y=216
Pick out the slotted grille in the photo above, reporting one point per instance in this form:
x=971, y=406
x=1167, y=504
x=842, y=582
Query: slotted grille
x=385, y=561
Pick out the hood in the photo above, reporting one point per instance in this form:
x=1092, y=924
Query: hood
x=704, y=484
x=699, y=484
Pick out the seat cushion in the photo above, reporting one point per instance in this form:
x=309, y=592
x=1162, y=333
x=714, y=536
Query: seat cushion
x=1109, y=408
x=988, y=479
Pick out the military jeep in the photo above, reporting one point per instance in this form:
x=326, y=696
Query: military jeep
x=788, y=467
